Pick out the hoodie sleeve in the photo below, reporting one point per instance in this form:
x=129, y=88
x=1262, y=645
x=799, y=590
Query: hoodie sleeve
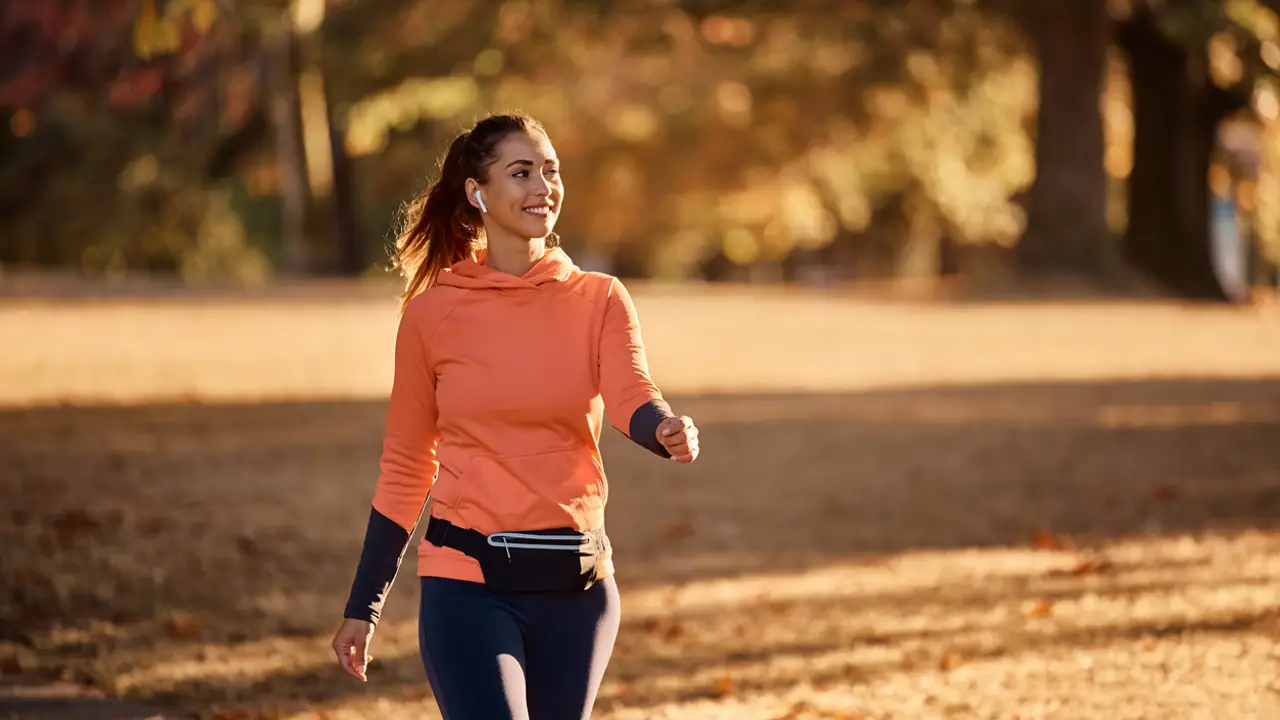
x=407, y=469
x=633, y=402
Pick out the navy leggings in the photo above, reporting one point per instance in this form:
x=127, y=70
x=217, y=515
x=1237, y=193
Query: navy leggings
x=517, y=657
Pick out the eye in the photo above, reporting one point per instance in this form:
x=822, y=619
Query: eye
x=553, y=172
x=520, y=174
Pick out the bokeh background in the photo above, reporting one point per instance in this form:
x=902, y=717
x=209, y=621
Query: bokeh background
x=829, y=142
x=973, y=301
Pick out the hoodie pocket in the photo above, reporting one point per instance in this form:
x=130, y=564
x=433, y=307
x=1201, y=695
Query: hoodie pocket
x=554, y=489
x=448, y=485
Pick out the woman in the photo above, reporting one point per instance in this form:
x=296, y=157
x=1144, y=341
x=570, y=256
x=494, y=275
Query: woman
x=506, y=356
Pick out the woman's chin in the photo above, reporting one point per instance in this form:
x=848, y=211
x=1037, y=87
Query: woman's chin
x=536, y=228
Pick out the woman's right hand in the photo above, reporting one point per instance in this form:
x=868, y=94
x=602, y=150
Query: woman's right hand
x=680, y=437
x=352, y=646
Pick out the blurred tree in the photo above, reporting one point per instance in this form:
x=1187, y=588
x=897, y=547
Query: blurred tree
x=280, y=65
x=1179, y=98
x=865, y=135
x=1066, y=228
x=120, y=112
x=1193, y=63
x=740, y=136
x=819, y=141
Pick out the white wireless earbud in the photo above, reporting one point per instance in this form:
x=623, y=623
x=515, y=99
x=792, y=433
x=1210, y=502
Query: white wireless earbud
x=480, y=200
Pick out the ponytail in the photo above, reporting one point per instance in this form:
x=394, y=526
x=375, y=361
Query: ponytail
x=438, y=230
x=440, y=227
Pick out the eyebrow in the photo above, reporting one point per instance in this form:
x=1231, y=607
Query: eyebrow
x=530, y=162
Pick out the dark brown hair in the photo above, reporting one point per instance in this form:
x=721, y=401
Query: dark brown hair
x=440, y=227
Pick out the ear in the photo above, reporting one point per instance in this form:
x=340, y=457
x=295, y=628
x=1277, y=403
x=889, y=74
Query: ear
x=472, y=187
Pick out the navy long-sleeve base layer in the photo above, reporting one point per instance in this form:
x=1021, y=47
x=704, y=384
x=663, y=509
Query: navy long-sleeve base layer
x=516, y=657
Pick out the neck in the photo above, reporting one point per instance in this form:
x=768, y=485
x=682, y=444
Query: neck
x=513, y=255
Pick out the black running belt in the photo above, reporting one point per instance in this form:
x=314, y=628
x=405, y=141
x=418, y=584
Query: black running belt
x=474, y=544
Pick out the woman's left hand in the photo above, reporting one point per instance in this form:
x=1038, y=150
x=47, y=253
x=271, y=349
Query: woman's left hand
x=680, y=437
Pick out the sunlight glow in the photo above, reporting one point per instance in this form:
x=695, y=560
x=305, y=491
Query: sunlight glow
x=308, y=15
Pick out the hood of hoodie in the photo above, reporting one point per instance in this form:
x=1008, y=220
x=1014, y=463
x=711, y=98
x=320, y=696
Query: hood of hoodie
x=555, y=266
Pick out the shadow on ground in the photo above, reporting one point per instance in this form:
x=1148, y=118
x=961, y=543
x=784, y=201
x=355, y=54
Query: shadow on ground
x=140, y=535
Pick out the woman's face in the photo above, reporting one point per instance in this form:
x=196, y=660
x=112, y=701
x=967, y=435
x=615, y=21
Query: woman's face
x=524, y=192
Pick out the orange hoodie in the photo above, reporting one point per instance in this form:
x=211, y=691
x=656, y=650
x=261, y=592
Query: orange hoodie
x=496, y=408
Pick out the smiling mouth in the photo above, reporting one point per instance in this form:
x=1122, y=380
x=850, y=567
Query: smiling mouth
x=541, y=211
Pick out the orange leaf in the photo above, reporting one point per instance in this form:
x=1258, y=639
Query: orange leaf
x=724, y=685
x=1086, y=566
x=1040, y=608
x=1045, y=540
x=203, y=15
x=1092, y=566
x=951, y=660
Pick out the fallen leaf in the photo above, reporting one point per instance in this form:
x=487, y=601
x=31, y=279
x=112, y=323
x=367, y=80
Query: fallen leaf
x=724, y=685
x=1040, y=608
x=183, y=625
x=951, y=660
x=1086, y=566
x=71, y=525
x=1045, y=540
x=1093, y=566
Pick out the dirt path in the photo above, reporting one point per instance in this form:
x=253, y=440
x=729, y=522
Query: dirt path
x=938, y=512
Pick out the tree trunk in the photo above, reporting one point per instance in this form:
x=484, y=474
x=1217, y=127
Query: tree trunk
x=1176, y=110
x=918, y=264
x=1067, y=204
x=287, y=117
x=346, y=231
x=350, y=256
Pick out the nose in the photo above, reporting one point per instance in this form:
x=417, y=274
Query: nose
x=542, y=187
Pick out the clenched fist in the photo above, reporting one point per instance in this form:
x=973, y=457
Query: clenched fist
x=680, y=437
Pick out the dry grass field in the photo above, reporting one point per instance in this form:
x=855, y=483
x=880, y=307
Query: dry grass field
x=902, y=510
